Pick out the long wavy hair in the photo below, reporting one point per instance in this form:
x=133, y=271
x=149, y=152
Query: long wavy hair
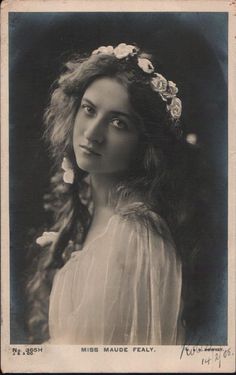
x=169, y=175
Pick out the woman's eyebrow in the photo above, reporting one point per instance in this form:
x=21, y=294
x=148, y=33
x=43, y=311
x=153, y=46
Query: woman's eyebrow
x=120, y=113
x=129, y=116
x=88, y=101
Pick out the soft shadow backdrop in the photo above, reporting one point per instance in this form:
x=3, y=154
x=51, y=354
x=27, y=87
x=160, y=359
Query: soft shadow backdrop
x=192, y=50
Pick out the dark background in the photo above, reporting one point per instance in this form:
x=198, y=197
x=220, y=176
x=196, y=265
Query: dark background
x=192, y=50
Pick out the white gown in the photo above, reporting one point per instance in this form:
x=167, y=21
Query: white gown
x=123, y=288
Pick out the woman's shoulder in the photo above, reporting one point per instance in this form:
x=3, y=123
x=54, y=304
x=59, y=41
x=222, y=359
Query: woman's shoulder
x=145, y=232
x=142, y=216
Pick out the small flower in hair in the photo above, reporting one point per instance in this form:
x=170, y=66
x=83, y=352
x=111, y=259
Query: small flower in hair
x=159, y=83
x=68, y=176
x=175, y=108
x=47, y=238
x=170, y=92
x=124, y=50
x=145, y=65
x=108, y=50
x=166, y=89
x=191, y=138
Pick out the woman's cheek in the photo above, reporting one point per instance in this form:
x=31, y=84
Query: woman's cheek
x=78, y=130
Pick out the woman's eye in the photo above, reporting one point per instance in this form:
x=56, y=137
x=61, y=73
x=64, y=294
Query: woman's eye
x=119, y=123
x=88, y=109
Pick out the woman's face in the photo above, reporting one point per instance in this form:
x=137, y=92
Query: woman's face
x=105, y=137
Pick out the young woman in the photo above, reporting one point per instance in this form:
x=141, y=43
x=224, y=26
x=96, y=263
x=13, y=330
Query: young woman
x=116, y=260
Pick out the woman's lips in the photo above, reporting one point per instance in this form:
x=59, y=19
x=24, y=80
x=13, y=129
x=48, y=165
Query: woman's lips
x=89, y=150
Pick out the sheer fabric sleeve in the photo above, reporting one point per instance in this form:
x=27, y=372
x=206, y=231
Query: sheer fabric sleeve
x=131, y=287
x=143, y=293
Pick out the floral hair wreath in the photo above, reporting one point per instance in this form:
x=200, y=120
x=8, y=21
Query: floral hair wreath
x=166, y=89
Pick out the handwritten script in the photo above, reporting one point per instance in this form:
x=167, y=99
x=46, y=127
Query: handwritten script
x=207, y=355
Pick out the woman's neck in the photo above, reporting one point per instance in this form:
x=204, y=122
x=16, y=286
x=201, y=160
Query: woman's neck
x=101, y=185
x=105, y=199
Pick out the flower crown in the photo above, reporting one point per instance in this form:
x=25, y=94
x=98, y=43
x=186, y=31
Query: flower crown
x=166, y=89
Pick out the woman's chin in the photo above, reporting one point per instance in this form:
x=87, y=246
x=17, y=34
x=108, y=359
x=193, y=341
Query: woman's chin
x=94, y=165
x=87, y=165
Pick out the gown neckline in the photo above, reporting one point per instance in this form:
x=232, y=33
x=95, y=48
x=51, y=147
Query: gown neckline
x=85, y=247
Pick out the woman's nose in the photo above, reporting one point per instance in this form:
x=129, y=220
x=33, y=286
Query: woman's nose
x=95, y=130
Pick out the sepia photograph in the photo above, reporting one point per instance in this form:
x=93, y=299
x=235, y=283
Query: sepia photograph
x=117, y=128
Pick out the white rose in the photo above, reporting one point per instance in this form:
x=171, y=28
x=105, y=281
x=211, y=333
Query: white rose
x=158, y=83
x=145, y=65
x=68, y=175
x=47, y=238
x=108, y=50
x=171, y=90
x=124, y=50
x=191, y=138
x=66, y=164
x=175, y=108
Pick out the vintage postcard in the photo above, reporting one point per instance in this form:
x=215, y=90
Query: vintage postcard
x=118, y=186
